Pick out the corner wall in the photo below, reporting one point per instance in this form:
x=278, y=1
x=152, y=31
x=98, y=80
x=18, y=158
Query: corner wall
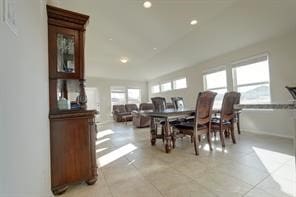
x=24, y=125
x=282, y=61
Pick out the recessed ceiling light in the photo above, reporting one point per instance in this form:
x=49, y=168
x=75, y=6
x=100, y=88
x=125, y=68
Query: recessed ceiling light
x=124, y=60
x=193, y=22
x=110, y=39
x=154, y=48
x=147, y=4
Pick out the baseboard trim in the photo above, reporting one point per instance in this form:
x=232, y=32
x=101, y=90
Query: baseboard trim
x=267, y=133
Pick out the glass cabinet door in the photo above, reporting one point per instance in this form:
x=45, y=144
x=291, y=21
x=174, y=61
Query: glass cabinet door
x=65, y=53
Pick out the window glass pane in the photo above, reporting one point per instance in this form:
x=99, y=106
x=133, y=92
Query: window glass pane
x=219, y=98
x=216, y=80
x=180, y=83
x=255, y=94
x=134, y=96
x=117, y=98
x=252, y=73
x=166, y=86
x=155, y=89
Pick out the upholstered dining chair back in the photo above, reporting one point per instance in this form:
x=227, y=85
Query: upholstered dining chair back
x=227, y=110
x=178, y=102
x=159, y=104
x=204, y=107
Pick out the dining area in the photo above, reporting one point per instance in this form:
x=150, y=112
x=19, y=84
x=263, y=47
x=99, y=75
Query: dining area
x=171, y=122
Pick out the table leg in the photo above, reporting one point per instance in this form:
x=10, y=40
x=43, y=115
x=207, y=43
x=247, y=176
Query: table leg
x=168, y=139
x=152, y=132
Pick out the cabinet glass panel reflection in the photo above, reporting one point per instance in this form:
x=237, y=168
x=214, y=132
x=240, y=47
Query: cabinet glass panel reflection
x=65, y=53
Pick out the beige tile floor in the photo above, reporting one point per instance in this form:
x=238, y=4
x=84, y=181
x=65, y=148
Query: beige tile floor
x=258, y=165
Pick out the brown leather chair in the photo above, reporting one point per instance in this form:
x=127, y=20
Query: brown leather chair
x=120, y=114
x=131, y=107
x=140, y=121
x=225, y=122
x=202, y=122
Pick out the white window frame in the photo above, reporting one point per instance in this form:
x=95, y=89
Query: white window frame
x=161, y=88
x=216, y=89
x=153, y=89
x=140, y=96
x=219, y=69
x=121, y=89
x=246, y=62
x=175, y=81
x=125, y=91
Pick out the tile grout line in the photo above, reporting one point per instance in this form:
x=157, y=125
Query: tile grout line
x=269, y=175
x=146, y=179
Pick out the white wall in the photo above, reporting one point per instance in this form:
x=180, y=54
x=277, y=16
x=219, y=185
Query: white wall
x=282, y=58
x=24, y=126
x=104, y=85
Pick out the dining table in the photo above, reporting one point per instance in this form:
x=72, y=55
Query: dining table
x=166, y=116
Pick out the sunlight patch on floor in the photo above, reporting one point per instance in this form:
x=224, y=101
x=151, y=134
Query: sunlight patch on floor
x=102, y=141
x=116, y=154
x=104, y=133
x=268, y=158
x=100, y=150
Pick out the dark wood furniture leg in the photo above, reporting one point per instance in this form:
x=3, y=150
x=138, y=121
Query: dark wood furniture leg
x=153, y=131
x=167, y=133
x=237, y=124
x=59, y=190
x=232, y=132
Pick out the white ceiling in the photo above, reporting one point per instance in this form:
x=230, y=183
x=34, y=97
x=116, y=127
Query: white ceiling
x=224, y=26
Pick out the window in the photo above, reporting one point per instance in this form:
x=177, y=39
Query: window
x=166, y=86
x=216, y=82
x=155, y=89
x=251, y=79
x=134, y=96
x=180, y=83
x=118, y=96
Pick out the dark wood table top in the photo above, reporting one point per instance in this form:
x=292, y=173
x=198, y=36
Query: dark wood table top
x=167, y=112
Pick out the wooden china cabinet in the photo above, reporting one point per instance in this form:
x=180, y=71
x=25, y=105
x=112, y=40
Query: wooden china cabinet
x=72, y=126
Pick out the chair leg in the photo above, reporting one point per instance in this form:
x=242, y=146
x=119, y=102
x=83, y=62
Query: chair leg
x=222, y=138
x=237, y=124
x=222, y=135
x=199, y=138
x=209, y=140
x=196, y=144
x=232, y=133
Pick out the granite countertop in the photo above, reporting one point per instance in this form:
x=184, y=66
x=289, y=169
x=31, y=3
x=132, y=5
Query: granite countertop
x=291, y=106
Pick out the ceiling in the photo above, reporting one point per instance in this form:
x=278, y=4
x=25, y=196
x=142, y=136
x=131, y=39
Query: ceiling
x=224, y=26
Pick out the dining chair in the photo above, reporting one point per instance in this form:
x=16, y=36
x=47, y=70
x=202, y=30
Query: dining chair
x=178, y=102
x=225, y=122
x=159, y=105
x=202, y=121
